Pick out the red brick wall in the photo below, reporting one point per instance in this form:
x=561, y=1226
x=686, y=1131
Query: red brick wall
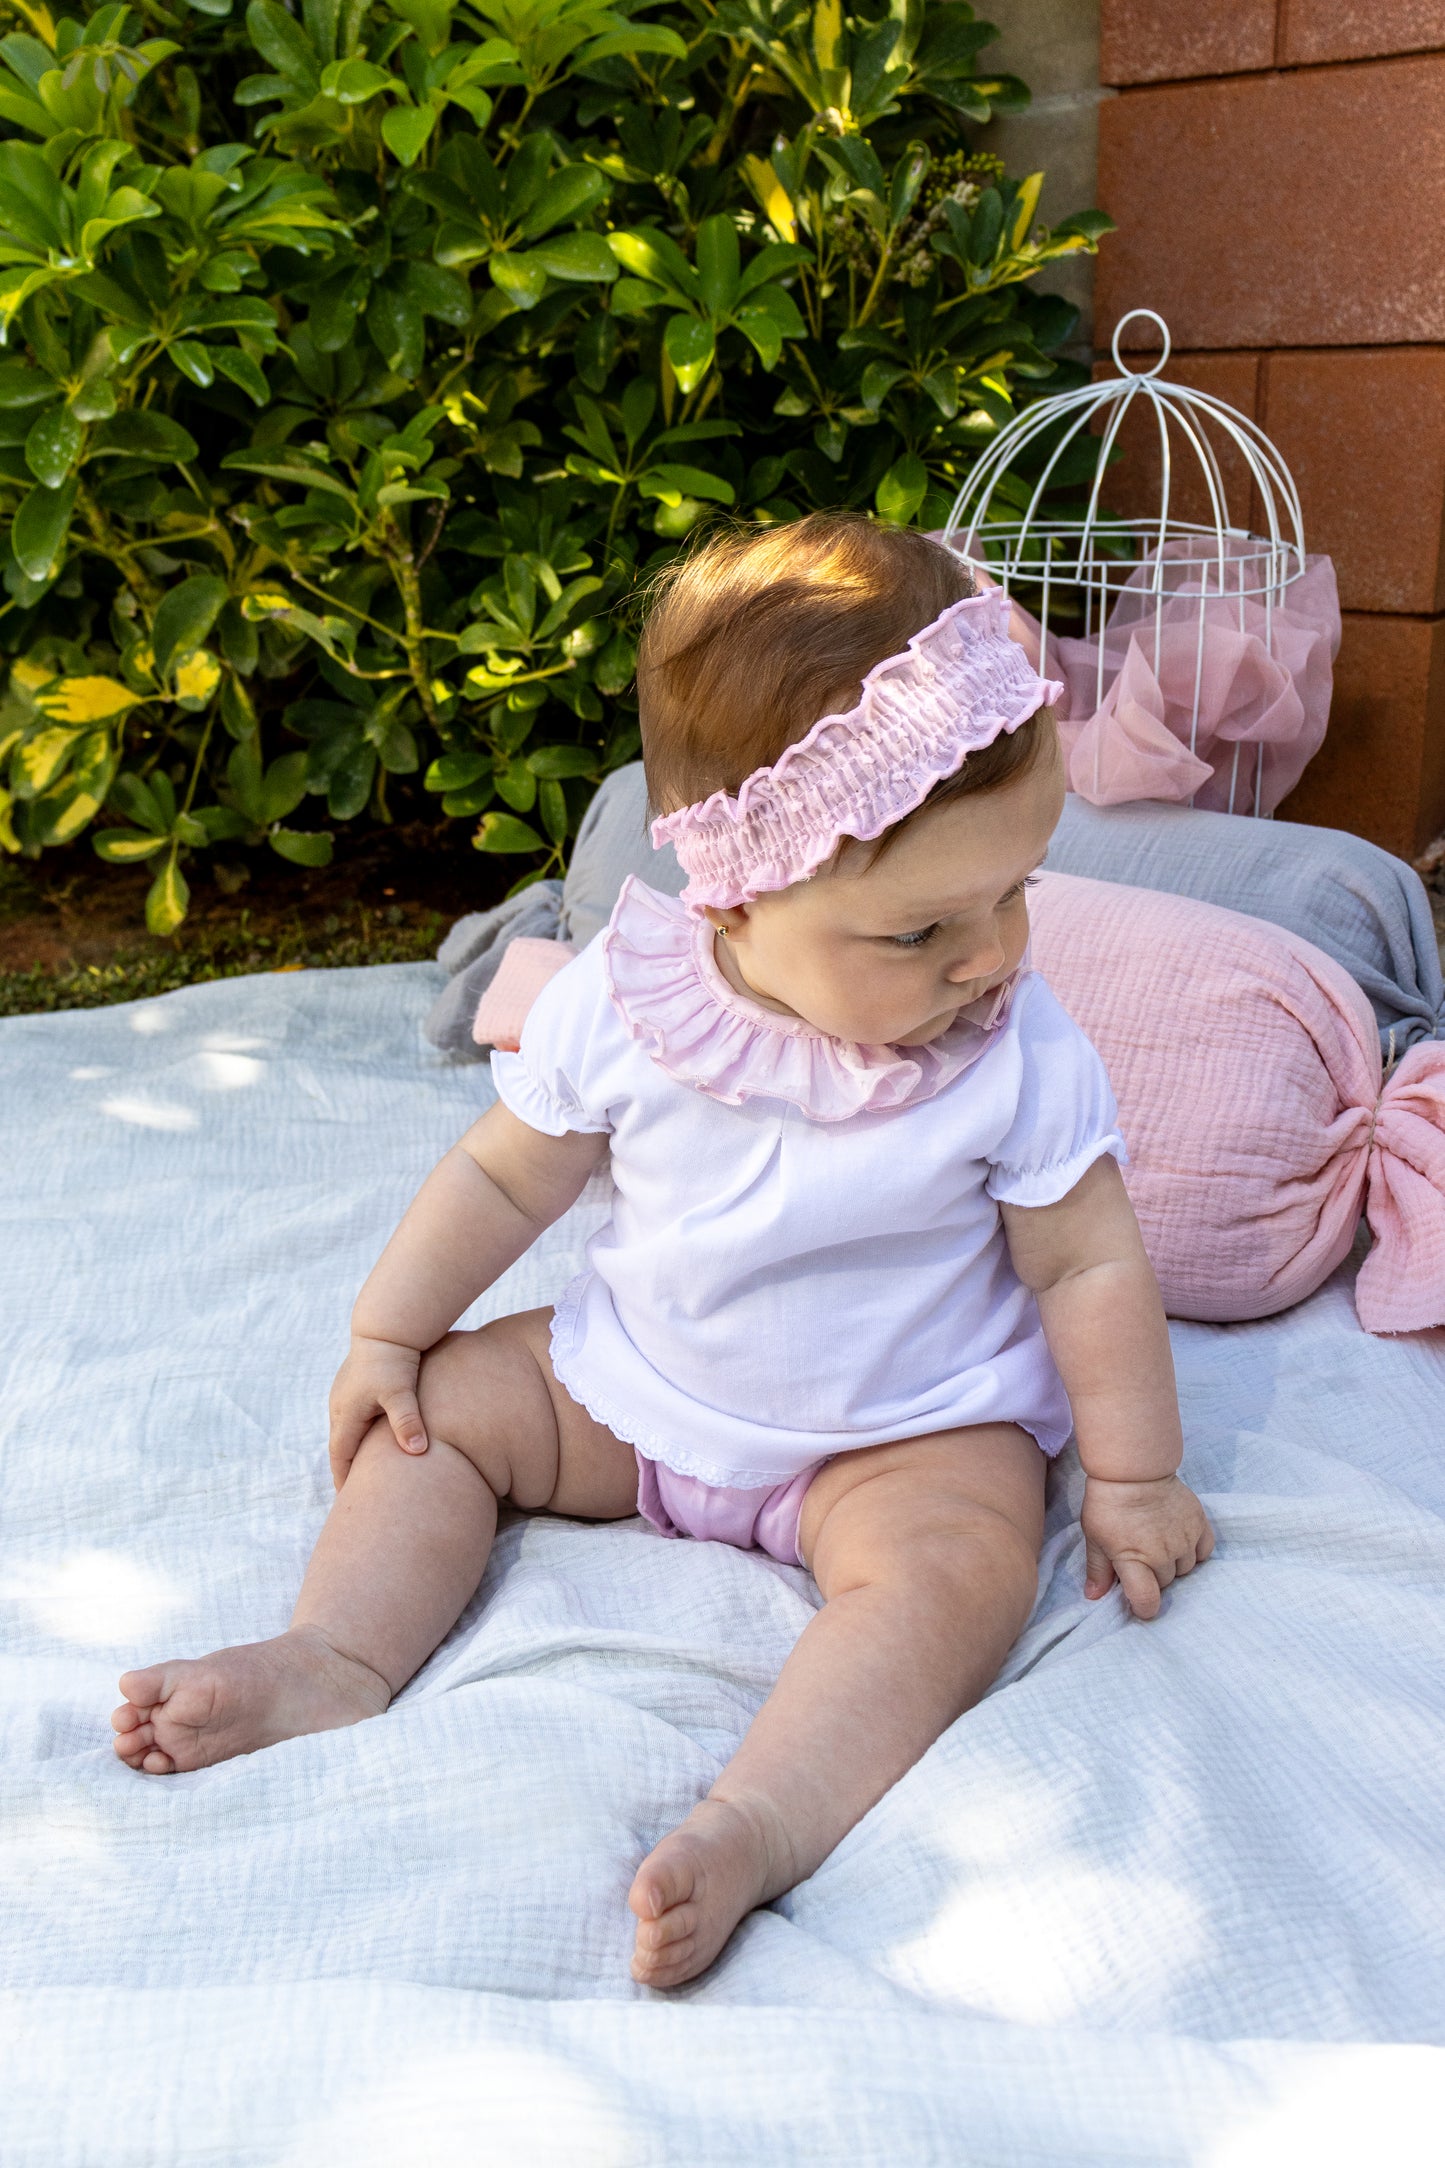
x=1277, y=170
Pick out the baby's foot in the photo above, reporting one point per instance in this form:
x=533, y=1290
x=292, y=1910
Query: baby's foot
x=691, y=1891
x=188, y=1714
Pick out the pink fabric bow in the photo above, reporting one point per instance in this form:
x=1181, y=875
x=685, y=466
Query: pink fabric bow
x=1401, y=1286
x=1230, y=703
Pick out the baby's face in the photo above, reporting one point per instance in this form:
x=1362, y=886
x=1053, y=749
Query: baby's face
x=888, y=954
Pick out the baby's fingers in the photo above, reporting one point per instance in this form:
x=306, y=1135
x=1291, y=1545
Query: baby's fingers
x=342, y=1445
x=1142, y=1585
x=403, y=1412
x=1098, y=1573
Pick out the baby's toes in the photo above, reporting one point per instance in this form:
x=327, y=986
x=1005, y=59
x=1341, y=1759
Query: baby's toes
x=666, y=1879
x=665, y=1966
x=144, y=1688
x=156, y=1763
x=655, y=1936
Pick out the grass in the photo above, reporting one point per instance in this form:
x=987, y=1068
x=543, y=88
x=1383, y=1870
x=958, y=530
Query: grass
x=354, y=933
x=225, y=954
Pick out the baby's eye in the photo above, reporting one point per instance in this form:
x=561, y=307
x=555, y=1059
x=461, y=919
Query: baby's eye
x=1030, y=880
x=913, y=940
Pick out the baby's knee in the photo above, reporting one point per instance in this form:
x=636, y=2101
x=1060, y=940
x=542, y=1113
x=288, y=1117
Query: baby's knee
x=481, y=1392
x=972, y=1552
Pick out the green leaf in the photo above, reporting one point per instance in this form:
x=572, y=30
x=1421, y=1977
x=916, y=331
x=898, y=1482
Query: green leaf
x=902, y=489
x=552, y=761
x=576, y=256
x=405, y=131
x=689, y=347
x=125, y=846
x=39, y=528
x=456, y=771
x=671, y=482
x=168, y=899
x=352, y=82
x=21, y=386
x=523, y=279
x=718, y=264
x=194, y=360
x=552, y=806
x=184, y=617
x=53, y=446
x=139, y=434
x=303, y=847
x=284, y=786
x=503, y=832
x=987, y=229
x=462, y=804
x=231, y=362
x=279, y=38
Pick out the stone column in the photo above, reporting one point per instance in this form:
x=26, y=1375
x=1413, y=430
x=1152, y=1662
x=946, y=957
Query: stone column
x=1277, y=171
x=1054, y=46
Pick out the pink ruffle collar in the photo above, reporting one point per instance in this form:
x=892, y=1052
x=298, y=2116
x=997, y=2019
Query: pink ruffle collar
x=666, y=987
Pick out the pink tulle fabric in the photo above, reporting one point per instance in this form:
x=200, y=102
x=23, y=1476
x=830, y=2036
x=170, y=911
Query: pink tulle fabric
x=666, y=986
x=1261, y=681
x=959, y=684
x=1248, y=1074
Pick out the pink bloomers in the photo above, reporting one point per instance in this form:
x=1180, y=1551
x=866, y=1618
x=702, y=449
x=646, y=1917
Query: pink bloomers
x=765, y=1519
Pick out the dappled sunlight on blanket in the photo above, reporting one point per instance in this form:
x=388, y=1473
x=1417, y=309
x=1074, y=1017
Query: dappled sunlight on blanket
x=996, y=1944
x=92, y=1598
x=1361, y=2111
x=488, y=2104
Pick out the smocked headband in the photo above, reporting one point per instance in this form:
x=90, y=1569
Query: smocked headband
x=959, y=684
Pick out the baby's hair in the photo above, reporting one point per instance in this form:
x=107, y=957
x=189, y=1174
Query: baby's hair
x=753, y=636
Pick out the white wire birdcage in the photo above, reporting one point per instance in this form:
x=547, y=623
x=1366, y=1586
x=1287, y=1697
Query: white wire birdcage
x=1101, y=565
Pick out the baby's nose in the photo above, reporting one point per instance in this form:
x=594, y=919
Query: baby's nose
x=976, y=965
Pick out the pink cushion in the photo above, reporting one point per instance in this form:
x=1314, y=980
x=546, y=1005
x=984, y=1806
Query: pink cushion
x=1247, y=1068
x=524, y=970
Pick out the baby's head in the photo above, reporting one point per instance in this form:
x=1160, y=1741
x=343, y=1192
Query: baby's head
x=753, y=639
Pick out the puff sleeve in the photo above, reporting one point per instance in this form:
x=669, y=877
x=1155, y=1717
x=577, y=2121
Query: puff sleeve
x=1065, y=1116
x=550, y=1082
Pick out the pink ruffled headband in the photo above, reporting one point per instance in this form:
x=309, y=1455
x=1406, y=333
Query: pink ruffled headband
x=959, y=684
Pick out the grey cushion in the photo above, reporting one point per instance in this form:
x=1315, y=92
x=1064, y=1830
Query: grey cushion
x=612, y=842
x=473, y=950
x=1360, y=905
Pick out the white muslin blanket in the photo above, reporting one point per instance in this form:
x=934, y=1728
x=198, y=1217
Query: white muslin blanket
x=1171, y=1893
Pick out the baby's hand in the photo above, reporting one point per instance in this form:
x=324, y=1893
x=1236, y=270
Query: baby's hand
x=378, y=1377
x=1146, y=1534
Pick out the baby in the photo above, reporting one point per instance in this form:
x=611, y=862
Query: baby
x=870, y=1258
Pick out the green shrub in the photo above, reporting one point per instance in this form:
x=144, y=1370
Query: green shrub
x=343, y=403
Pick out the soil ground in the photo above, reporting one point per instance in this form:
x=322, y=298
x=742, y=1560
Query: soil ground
x=73, y=934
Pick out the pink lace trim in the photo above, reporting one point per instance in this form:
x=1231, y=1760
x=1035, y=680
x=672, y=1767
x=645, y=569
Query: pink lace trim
x=960, y=684
x=666, y=986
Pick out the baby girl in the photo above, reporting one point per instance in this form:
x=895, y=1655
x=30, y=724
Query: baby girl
x=870, y=1258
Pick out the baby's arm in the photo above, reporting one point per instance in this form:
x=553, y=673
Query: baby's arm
x=475, y=1214
x=1084, y=1259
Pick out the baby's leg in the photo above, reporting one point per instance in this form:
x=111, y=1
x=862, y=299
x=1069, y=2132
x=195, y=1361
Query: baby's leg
x=399, y=1557
x=927, y=1556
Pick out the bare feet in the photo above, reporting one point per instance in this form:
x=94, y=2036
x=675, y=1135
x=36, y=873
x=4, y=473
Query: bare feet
x=728, y=1857
x=188, y=1714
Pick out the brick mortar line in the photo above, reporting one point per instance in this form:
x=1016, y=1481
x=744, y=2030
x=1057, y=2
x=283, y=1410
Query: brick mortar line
x=1259, y=353
x=1279, y=68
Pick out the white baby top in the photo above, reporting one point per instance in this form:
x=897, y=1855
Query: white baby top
x=805, y=1253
